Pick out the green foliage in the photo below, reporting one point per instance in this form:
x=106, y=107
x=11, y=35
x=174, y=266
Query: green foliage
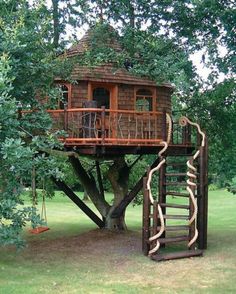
x=26, y=64
x=231, y=187
x=215, y=111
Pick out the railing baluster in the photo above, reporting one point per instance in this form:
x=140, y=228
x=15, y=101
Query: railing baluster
x=164, y=134
x=120, y=127
x=65, y=117
x=103, y=124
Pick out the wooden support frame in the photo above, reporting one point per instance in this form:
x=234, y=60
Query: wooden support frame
x=146, y=218
x=67, y=190
x=155, y=221
x=162, y=192
x=191, y=211
x=203, y=197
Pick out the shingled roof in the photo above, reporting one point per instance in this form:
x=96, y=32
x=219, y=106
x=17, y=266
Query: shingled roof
x=108, y=73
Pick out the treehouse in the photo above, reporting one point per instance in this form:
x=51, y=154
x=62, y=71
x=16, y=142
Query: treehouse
x=108, y=111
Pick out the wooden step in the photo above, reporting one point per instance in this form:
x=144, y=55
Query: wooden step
x=175, y=216
x=173, y=193
x=184, y=184
x=177, y=255
x=177, y=163
x=174, y=228
x=173, y=205
x=175, y=174
x=173, y=239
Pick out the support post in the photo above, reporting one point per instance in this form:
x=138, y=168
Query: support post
x=62, y=186
x=203, y=197
x=146, y=218
x=186, y=135
x=103, y=129
x=155, y=220
x=162, y=191
x=191, y=211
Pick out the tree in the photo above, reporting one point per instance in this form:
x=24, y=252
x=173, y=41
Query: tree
x=66, y=14
x=29, y=33
x=24, y=56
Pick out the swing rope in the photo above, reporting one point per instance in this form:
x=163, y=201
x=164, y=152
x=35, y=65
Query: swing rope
x=43, y=215
x=43, y=209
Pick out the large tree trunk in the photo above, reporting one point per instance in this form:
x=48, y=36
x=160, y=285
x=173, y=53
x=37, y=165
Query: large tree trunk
x=118, y=175
x=56, y=23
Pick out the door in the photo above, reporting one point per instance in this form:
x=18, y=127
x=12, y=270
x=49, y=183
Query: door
x=105, y=94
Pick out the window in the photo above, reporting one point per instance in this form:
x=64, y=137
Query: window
x=144, y=100
x=64, y=99
x=102, y=97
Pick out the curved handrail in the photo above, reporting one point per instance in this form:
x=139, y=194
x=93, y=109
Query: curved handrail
x=183, y=121
x=152, y=171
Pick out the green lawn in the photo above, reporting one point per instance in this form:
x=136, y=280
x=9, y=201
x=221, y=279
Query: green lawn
x=75, y=257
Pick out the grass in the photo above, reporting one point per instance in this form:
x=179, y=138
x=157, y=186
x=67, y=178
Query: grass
x=75, y=257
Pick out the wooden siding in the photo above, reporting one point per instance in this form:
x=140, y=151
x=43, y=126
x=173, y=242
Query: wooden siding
x=164, y=99
x=126, y=97
x=79, y=94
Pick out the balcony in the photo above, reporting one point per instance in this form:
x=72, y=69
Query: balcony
x=100, y=126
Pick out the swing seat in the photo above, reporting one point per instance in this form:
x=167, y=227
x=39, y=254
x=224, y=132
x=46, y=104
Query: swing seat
x=39, y=230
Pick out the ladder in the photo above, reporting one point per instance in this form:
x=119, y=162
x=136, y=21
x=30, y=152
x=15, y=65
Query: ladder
x=175, y=219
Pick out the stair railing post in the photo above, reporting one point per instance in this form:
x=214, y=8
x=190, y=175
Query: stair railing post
x=191, y=211
x=155, y=222
x=186, y=135
x=162, y=192
x=146, y=218
x=203, y=197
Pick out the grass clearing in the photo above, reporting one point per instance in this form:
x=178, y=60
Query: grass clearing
x=76, y=257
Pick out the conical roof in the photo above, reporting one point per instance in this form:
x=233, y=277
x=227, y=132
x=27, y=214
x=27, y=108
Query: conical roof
x=104, y=35
x=100, y=35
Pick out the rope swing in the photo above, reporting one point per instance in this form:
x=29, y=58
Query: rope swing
x=43, y=215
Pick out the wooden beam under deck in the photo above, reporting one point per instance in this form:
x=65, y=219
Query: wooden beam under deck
x=99, y=150
x=63, y=187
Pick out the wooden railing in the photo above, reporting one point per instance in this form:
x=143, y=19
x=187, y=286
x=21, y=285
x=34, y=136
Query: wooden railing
x=100, y=125
x=114, y=127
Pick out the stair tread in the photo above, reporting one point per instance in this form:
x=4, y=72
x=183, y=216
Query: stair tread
x=175, y=174
x=175, y=184
x=173, y=239
x=173, y=193
x=174, y=228
x=177, y=255
x=176, y=216
x=173, y=205
x=176, y=163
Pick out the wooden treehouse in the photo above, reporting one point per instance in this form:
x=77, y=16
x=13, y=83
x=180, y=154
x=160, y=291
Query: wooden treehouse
x=109, y=112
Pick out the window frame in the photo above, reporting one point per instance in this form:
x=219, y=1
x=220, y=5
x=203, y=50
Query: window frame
x=152, y=96
x=69, y=86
